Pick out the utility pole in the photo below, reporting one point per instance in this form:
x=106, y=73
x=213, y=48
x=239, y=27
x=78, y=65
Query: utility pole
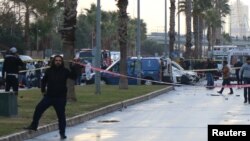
x=166, y=45
x=98, y=49
x=138, y=43
x=179, y=28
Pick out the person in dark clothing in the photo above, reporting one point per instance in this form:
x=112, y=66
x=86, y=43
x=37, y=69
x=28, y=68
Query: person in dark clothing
x=79, y=69
x=237, y=70
x=11, y=65
x=209, y=73
x=183, y=64
x=38, y=73
x=245, y=76
x=225, y=77
x=54, y=89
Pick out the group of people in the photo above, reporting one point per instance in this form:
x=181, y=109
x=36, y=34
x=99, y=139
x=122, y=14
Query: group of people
x=242, y=72
x=53, y=87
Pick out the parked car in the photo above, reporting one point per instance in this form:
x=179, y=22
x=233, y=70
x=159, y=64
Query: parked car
x=26, y=58
x=183, y=76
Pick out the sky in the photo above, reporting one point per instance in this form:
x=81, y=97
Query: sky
x=151, y=12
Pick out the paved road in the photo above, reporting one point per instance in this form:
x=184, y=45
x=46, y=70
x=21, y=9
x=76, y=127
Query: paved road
x=182, y=114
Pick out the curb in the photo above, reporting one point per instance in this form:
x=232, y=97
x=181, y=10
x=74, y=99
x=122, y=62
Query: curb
x=24, y=135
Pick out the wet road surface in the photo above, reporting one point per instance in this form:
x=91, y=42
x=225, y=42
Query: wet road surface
x=179, y=115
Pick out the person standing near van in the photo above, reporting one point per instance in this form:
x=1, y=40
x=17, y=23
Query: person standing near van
x=245, y=73
x=10, y=70
x=237, y=66
x=225, y=77
x=209, y=73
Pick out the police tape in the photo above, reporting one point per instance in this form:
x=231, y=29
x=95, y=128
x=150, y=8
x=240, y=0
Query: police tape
x=213, y=69
x=229, y=86
x=148, y=80
x=126, y=76
x=161, y=82
x=195, y=70
x=28, y=70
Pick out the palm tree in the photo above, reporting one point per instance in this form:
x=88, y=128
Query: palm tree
x=186, y=7
x=223, y=9
x=68, y=37
x=199, y=8
x=122, y=31
x=214, y=21
x=28, y=10
x=172, y=26
x=45, y=9
x=188, y=12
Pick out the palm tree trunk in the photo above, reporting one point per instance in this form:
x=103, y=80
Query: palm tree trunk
x=26, y=28
x=200, y=34
x=209, y=37
x=172, y=27
x=213, y=37
x=68, y=37
x=218, y=29
x=188, y=28
x=122, y=31
x=196, y=36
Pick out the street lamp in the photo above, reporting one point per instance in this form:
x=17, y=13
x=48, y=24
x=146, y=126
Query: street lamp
x=98, y=48
x=166, y=46
x=179, y=48
x=138, y=43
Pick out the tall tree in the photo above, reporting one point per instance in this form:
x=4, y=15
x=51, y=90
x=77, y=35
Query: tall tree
x=11, y=31
x=223, y=9
x=68, y=37
x=27, y=4
x=172, y=26
x=122, y=31
x=188, y=13
x=199, y=9
x=212, y=21
x=186, y=7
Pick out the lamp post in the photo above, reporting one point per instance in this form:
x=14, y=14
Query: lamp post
x=165, y=17
x=138, y=43
x=98, y=48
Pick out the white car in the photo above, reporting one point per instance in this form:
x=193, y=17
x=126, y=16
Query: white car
x=183, y=76
x=26, y=58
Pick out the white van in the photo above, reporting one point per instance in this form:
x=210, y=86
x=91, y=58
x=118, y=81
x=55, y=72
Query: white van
x=240, y=53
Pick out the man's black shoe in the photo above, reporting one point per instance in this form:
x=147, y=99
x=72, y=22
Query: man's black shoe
x=231, y=93
x=245, y=101
x=220, y=92
x=30, y=128
x=63, y=136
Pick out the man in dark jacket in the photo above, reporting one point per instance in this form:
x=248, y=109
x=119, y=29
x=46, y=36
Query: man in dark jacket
x=54, y=89
x=237, y=66
x=11, y=65
x=209, y=73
